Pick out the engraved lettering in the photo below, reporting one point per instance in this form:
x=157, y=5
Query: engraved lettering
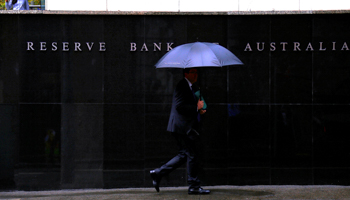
x=30, y=46
x=155, y=47
x=309, y=46
x=65, y=46
x=54, y=46
x=42, y=46
x=169, y=46
x=345, y=46
x=77, y=46
x=258, y=46
x=284, y=45
x=132, y=46
x=248, y=47
x=272, y=46
x=297, y=46
x=322, y=49
x=88, y=45
x=144, y=47
x=102, y=46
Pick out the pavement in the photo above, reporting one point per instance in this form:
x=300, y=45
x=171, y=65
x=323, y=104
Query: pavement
x=177, y=193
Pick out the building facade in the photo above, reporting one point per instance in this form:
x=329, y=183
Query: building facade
x=82, y=105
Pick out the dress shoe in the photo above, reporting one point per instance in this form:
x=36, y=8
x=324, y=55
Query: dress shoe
x=156, y=179
x=198, y=191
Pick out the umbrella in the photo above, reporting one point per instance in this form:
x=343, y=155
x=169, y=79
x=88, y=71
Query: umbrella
x=198, y=54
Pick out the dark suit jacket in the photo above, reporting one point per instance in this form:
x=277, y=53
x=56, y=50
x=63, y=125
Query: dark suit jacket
x=183, y=116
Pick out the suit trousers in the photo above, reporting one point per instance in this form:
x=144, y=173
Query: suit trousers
x=188, y=153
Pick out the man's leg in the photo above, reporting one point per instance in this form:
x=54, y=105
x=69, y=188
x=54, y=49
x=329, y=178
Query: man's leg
x=192, y=160
x=193, y=166
x=172, y=164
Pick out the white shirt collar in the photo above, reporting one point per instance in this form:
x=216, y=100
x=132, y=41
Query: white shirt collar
x=189, y=83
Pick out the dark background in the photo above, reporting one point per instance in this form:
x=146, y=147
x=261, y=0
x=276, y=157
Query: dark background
x=280, y=119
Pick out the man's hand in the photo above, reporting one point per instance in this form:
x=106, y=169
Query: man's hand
x=200, y=104
x=6, y=0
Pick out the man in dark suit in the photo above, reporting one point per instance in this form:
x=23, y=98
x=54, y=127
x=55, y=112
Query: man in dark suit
x=183, y=125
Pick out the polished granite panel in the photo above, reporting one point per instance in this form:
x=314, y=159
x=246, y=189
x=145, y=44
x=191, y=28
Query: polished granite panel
x=249, y=136
x=82, y=146
x=38, y=179
x=9, y=62
x=281, y=118
x=124, y=80
x=39, y=69
x=162, y=35
x=213, y=137
x=295, y=176
x=160, y=84
x=124, y=137
x=123, y=179
x=331, y=78
x=124, y=85
x=40, y=83
x=213, y=84
x=83, y=84
x=292, y=82
x=248, y=176
x=207, y=29
x=160, y=145
x=291, y=65
x=331, y=71
x=8, y=144
x=39, y=133
x=329, y=176
x=50, y=58
x=291, y=141
x=214, y=176
x=331, y=138
x=250, y=82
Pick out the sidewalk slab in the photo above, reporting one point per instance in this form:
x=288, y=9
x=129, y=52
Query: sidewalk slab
x=217, y=193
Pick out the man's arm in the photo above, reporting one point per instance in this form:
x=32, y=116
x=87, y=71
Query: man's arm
x=183, y=106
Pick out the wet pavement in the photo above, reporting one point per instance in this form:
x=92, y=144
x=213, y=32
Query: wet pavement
x=217, y=193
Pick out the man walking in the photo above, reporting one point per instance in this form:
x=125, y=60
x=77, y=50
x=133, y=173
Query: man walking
x=183, y=125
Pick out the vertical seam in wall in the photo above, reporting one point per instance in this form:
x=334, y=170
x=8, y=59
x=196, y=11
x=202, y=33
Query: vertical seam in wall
x=144, y=102
x=270, y=109
x=312, y=108
x=227, y=104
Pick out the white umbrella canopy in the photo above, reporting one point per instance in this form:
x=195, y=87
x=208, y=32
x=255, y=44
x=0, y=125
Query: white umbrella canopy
x=198, y=54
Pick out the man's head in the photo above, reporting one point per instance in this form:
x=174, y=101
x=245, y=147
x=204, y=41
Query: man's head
x=191, y=74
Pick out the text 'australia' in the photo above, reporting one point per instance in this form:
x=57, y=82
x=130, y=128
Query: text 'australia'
x=297, y=46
